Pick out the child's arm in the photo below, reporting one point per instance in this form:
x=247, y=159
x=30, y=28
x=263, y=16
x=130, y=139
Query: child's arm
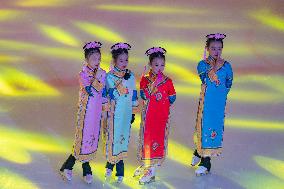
x=203, y=70
x=144, y=91
x=135, y=103
x=104, y=93
x=111, y=88
x=171, y=92
x=229, y=76
x=85, y=82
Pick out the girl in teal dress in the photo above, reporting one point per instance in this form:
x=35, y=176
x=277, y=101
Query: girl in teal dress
x=122, y=93
x=216, y=76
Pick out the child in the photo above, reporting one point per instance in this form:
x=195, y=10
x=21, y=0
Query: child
x=92, y=98
x=122, y=93
x=158, y=92
x=216, y=76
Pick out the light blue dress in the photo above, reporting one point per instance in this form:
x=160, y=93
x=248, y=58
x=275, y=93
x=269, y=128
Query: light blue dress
x=123, y=99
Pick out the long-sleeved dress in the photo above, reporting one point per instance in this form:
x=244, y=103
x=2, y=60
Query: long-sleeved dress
x=154, y=127
x=123, y=103
x=209, y=129
x=89, y=113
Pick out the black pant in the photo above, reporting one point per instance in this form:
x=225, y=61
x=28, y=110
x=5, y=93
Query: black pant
x=205, y=161
x=70, y=162
x=119, y=167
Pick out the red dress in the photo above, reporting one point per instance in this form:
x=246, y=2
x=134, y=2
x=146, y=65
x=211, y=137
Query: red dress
x=154, y=126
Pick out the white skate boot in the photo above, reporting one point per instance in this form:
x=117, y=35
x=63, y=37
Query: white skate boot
x=139, y=171
x=148, y=177
x=88, y=178
x=201, y=171
x=66, y=174
x=119, y=179
x=195, y=160
x=108, y=174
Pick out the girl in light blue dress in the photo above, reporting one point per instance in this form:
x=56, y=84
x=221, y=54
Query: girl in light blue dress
x=123, y=101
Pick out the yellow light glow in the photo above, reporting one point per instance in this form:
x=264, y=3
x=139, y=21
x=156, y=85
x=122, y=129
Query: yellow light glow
x=179, y=153
x=59, y=35
x=100, y=32
x=11, y=180
x=254, y=96
x=267, y=18
x=36, y=3
x=150, y=9
x=12, y=153
x=252, y=180
x=182, y=73
x=9, y=14
x=7, y=58
x=17, y=151
x=274, y=166
x=181, y=50
x=265, y=79
x=254, y=124
x=19, y=84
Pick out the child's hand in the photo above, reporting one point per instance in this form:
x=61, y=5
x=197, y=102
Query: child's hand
x=126, y=75
x=99, y=74
x=89, y=90
x=159, y=78
x=133, y=118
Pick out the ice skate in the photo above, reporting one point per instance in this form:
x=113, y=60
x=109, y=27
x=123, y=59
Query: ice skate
x=139, y=171
x=195, y=160
x=108, y=174
x=88, y=178
x=201, y=171
x=66, y=174
x=119, y=179
x=148, y=177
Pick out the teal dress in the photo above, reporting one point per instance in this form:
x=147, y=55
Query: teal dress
x=123, y=103
x=209, y=129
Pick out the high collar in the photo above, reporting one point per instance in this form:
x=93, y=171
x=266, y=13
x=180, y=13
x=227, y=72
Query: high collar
x=118, y=70
x=152, y=74
x=90, y=68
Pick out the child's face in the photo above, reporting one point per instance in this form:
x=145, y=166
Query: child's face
x=215, y=49
x=122, y=61
x=157, y=65
x=94, y=60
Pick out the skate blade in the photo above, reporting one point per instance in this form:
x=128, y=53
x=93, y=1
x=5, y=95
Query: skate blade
x=63, y=176
x=87, y=181
x=137, y=174
x=150, y=181
x=201, y=174
x=108, y=179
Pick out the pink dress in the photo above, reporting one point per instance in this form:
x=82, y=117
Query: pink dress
x=89, y=113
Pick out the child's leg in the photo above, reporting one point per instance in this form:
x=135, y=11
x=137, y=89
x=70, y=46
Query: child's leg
x=69, y=163
x=87, y=173
x=205, y=162
x=86, y=169
x=120, y=168
x=196, y=153
x=195, y=158
x=110, y=166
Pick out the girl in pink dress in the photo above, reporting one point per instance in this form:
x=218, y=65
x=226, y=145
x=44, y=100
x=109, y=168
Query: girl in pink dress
x=92, y=102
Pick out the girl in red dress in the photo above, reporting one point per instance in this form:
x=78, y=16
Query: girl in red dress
x=158, y=94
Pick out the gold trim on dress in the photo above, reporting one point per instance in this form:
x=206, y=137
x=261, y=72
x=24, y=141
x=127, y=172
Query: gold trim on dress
x=198, y=129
